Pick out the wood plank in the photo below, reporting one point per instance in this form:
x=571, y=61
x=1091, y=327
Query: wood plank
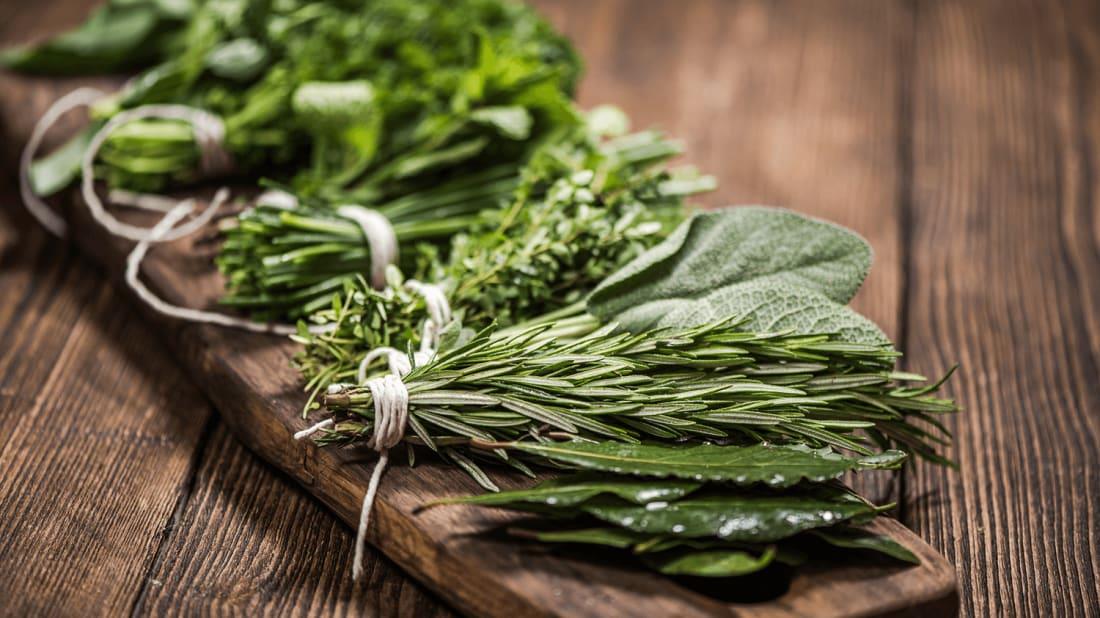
x=90, y=470
x=1004, y=281
x=98, y=440
x=251, y=541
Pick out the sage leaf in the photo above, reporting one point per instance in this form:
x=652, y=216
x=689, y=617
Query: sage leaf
x=726, y=251
x=751, y=517
x=772, y=465
x=710, y=563
x=573, y=490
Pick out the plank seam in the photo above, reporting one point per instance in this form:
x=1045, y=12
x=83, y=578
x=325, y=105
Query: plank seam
x=182, y=502
x=907, y=70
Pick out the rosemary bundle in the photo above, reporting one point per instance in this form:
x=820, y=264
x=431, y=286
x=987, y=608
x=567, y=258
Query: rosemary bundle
x=713, y=382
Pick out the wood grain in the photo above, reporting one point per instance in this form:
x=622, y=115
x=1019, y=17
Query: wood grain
x=96, y=425
x=251, y=542
x=1004, y=259
x=101, y=438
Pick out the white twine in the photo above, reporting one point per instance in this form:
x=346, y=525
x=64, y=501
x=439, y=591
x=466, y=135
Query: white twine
x=156, y=234
x=439, y=312
x=309, y=431
x=391, y=402
x=81, y=97
x=213, y=160
x=276, y=198
x=381, y=240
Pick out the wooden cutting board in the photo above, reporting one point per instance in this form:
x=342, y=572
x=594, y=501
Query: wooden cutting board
x=250, y=380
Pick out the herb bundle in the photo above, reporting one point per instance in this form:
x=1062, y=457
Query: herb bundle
x=581, y=210
x=754, y=347
x=714, y=382
x=703, y=511
x=612, y=193
x=377, y=99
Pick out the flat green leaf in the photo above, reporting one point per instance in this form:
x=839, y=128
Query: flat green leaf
x=619, y=538
x=332, y=105
x=855, y=538
x=114, y=37
x=238, y=60
x=710, y=563
x=726, y=251
x=770, y=306
x=513, y=122
x=773, y=465
x=573, y=490
x=60, y=168
x=751, y=517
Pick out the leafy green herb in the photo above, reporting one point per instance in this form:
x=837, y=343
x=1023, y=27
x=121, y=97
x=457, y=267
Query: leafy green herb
x=780, y=270
x=709, y=531
x=121, y=35
x=709, y=382
x=773, y=465
x=583, y=207
x=454, y=87
x=580, y=488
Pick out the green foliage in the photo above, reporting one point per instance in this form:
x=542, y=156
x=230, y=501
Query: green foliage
x=778, y=269
x=121, y=35
x=456, y=86
x=713, y=382
x=772, y=465
x=583, y=207
x=710, y=530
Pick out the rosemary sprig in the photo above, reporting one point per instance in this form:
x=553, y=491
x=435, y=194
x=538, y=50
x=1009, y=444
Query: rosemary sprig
x=713, y=382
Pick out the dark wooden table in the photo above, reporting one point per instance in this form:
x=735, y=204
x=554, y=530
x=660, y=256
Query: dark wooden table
x=962, y=139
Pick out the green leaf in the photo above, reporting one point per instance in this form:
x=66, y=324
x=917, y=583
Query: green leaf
x=116, y=36
x=751, y=517
x=238, y=60
x=710, y=563
x=768, y=307
x=513, y=122
x=60, y=168
x=776, y=268
x=855, y=538
x=773, y=465
x=330, y=106
x=607, y=537
x=573, y=490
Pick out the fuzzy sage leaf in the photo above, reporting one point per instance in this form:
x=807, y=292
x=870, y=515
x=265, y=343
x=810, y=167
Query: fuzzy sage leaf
x=779, y=269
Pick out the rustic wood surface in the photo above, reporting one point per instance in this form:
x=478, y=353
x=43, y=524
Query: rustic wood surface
x=960, y=139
